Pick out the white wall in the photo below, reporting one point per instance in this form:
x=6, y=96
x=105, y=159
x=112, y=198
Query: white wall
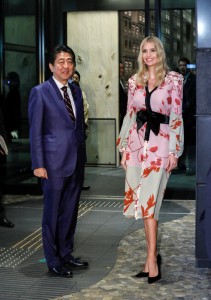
x=94, y=39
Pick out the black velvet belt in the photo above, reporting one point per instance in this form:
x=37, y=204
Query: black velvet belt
x=152, y=118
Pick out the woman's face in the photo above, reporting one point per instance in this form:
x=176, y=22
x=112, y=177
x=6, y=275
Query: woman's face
x=75, y=78
x=149, y=54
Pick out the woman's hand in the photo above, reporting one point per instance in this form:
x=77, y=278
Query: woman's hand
x=123, y=160
x=172, y=163
x=41, y=172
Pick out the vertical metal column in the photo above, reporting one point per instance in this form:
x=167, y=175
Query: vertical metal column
x=40, y=9
x=203, y=122
x=147, y=18
x=1, y=46
x=54, y=30
x=157, y=4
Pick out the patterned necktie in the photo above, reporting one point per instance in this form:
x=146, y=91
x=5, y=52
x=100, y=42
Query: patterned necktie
x=68, y=103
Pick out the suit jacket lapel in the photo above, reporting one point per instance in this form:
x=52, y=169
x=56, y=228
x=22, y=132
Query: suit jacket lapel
x=74, y=94
x=57, y=97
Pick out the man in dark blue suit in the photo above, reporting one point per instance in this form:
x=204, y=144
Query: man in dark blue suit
x=57, y=142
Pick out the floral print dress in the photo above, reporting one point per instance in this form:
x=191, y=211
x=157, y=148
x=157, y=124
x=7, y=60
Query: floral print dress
x=146, y=161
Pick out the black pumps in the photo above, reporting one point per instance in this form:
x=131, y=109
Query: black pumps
x=143, y=274
x=156, y=278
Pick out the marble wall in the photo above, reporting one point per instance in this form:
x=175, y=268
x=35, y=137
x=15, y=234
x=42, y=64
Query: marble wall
x=94, y=39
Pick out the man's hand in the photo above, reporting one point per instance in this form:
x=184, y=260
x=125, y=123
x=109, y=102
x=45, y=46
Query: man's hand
x=41, y=173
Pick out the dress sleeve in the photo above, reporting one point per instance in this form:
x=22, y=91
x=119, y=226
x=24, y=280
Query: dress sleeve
x=176, y=122
x=129, y=118
x=86, y=108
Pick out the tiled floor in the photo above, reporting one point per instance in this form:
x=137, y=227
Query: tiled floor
x=113, y=245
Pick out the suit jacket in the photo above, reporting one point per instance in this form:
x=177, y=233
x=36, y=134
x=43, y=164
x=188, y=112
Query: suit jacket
x=56, y=143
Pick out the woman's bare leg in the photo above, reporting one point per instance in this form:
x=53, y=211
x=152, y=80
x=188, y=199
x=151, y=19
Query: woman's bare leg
x=151, y=227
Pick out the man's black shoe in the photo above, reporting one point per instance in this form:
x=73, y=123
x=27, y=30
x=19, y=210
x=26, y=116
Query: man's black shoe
x=61, y=271
x=6, y=223
x=76, y=263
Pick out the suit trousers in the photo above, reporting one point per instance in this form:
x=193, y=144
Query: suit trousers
x=61, y=200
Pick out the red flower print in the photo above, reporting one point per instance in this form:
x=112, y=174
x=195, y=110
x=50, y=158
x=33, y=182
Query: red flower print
x=144, y=212
x=165, y=135
x=153, y=167
x=169, y=100
x=176, y=123
x=127, y=156
x=153, y=149
x=118, y=141
x=146, y=172
x=177, y=101
x=177, y=147
x=128, y=199
x=144, y=157
x=150, y=204
x=158, y=162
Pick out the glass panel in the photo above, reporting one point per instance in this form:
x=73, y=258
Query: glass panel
x=178, y=33
x=20, y=77
x=20, y=63
x=131, y=32
x=16, y=33
x=19, y=24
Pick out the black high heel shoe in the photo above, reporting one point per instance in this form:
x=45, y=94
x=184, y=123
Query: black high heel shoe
x=159, y=259
x=158, y=277
x=142, y=274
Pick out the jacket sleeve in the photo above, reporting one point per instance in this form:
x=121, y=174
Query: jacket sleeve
x=35, y=113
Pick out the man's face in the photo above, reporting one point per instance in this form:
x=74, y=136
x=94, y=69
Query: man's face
x=182, y=67
x=121, y=70
x=63, y=67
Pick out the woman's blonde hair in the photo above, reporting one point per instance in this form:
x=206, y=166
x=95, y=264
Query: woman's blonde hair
x=161, y=68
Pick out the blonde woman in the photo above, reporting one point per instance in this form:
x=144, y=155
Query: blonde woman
x=151, y=140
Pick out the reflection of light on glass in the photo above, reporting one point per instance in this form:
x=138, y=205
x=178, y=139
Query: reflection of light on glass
x=201, y=28
x=191, y=66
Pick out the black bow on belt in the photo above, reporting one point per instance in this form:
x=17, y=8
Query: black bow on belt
x=153, y=120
